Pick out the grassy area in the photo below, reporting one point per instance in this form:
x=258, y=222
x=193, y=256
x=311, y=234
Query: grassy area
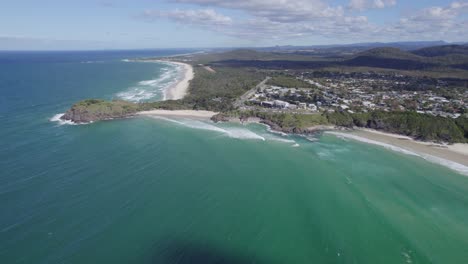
x=283, y=120
x=97, y=106
x=419, y=126
x=289, y=82
x=215, y=91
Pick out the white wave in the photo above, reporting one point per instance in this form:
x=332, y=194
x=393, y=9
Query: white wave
x=446, y=163
x=56, y=118
x=238, y=133
x=312, y=139
x=148, y=89
x=243, y=133
x=272, y=137
x=149, y=82
x=270, y=130
x=89, y=62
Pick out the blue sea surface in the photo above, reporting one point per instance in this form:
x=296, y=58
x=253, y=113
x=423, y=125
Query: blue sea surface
x=147, y=190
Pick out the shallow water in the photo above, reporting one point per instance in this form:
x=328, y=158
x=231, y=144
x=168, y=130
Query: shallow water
x=148, y=190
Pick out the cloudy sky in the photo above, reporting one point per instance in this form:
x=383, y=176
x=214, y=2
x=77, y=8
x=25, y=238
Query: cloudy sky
x=117, y=24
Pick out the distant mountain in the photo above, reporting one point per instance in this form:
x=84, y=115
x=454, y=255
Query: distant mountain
x=354, y=47
x=392, y=58
x=404, y=45
x=389, y=53
x=442, y=50
x=447, y=58
x=453, y=56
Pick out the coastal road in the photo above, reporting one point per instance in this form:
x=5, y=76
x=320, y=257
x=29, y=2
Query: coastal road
x=239, y=102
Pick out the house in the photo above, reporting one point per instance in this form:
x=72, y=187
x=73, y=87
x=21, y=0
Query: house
x=313, y=107
x=267, y=104
x=280, y=104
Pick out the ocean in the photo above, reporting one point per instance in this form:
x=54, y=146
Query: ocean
x=147, y=190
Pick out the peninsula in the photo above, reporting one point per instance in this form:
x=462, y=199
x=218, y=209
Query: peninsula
x=408, y=93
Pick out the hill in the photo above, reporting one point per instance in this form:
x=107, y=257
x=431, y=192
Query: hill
x=392, y=58
x=442, y=51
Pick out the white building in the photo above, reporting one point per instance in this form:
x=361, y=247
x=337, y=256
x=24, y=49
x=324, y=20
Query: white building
x=280, y=104
x=313, y=107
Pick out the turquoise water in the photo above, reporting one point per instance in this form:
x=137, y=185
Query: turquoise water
x=150, y=190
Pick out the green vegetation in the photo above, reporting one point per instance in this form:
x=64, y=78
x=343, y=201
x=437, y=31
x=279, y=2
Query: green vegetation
x=239, y=71
x=252, y=55
x=215, y=91
x=419, y=126
x=287, y=122
x=442, y=50
x=95, y=109
x=98, y=106
x=289, y=81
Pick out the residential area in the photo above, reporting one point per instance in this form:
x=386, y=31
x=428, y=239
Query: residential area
x=362, y=92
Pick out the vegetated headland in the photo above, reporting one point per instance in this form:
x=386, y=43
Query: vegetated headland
x=420, y=93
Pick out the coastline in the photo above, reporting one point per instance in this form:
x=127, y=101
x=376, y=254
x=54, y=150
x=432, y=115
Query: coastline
x=179, y=89
x=196, y=114
x=452, y=156
x=456, y=152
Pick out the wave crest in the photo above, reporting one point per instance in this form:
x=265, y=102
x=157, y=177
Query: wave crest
x=460, y=168
x=149, y=89
x=56, y=118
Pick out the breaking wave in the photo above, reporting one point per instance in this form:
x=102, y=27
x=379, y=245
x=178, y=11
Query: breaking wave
x=239, y=133
x=91, y=62
x=152, y=89
x=232, y=132
x=446, y=163
x=56, y=118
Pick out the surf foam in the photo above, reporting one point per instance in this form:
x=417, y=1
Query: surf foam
x=460, y=168
x=238, y=133
x=56, y=118
x=149, y=89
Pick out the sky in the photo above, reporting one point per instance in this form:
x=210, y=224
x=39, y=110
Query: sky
x=139, y=24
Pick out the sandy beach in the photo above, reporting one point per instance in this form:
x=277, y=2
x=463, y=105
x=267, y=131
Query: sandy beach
x=454, y=156
x=179, y=90
x=198, y=114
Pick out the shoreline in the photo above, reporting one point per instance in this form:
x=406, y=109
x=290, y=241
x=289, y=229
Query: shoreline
x=451, y=156
x=457, y=152
x=196, y=114
x=179, y=89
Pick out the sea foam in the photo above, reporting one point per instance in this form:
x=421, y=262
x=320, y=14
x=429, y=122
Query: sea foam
x=238, y=133
x=460, y=168
x=56, y=118
x=149, y=89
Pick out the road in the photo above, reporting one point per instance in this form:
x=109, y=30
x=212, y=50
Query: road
x=239, y=102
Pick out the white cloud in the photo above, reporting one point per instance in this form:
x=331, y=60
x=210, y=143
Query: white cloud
x=361, y=5
x=284, y=19
x=206, y=17
x=276, y=10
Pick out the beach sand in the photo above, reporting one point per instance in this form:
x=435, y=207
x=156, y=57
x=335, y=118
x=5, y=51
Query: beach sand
x=457, y=153
x=179, y=113
x=179, y=90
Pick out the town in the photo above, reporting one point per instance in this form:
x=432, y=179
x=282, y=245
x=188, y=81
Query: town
x=360, y=92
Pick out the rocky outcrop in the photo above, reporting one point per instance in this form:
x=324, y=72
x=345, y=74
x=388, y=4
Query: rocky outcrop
x=92, y=110
x=220, y=118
